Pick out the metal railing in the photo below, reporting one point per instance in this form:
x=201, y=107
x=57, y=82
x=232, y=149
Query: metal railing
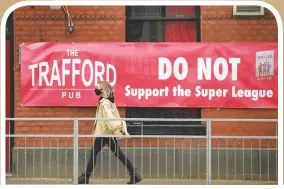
x=177, y=159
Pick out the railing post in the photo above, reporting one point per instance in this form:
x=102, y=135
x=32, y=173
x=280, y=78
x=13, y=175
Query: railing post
x=75, y=152
x=208, y=151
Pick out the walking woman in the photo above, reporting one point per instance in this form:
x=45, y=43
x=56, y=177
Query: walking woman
x=107, y=109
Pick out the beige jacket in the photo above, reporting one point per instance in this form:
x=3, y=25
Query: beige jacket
x=107, y=109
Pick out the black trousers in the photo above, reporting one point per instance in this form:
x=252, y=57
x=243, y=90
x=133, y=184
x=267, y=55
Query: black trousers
x=114, y=147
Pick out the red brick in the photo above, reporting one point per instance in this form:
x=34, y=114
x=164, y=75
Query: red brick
x=236, y=29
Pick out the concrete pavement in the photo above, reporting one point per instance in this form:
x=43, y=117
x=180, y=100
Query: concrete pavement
x=12, y=181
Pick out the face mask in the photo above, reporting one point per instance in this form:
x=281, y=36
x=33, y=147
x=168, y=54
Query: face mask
x=98, y=92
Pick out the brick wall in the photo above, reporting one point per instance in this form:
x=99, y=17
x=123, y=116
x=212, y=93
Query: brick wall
x=218, y=25
x=108, y=24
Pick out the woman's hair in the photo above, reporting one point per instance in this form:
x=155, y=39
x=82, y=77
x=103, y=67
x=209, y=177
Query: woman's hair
x=107, y=89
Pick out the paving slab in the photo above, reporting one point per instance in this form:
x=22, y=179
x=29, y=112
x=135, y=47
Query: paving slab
x=29, y=181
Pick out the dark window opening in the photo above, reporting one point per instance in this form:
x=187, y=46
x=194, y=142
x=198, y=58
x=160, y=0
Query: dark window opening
x=146, y=11
x=145, y=31
x=161, y=31
x=164, y=127
x=163, y=24
x=153, y=112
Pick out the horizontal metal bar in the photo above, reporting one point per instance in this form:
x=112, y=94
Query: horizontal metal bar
x=145, y=148
x=171, y=125
x=141, y=136
x=245, y=137
x=40, y=119
x=36, y=136
x=143, y=119
x=50, y=147
x=104, y=136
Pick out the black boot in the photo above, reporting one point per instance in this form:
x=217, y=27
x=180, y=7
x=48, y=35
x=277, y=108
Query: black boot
x=84, y=178
x=134, y=178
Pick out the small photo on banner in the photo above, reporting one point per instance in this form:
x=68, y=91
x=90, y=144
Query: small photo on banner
x=265, y=64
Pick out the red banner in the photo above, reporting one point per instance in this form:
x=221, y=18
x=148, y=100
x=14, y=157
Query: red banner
x=224, y=75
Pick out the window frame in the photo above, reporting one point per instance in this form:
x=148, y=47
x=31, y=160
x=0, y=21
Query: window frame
x=166, y=129
x=237, y=13
x=195, y=18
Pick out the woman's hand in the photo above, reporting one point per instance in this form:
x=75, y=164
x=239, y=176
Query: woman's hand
x=93, y=130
